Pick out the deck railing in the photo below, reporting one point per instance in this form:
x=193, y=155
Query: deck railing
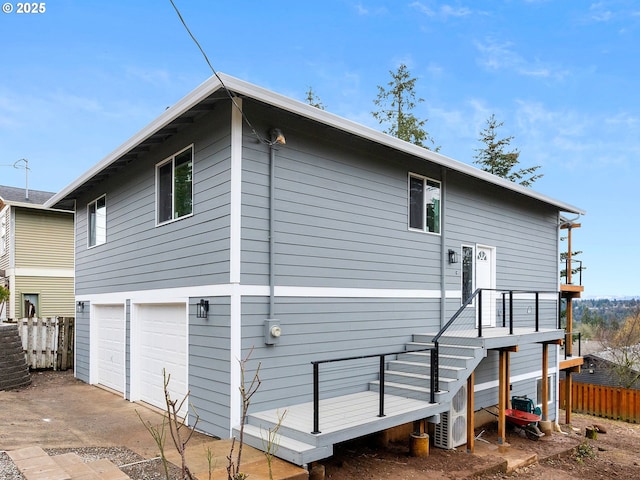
x=316, y=382
x=571, y=337
x=510, y=308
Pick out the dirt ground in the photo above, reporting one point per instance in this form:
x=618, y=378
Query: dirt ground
x=614, y=454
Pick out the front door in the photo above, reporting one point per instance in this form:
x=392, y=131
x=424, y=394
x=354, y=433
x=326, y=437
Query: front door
x=486, y=279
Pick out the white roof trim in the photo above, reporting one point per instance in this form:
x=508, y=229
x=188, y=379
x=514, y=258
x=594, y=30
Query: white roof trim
x=294, y=106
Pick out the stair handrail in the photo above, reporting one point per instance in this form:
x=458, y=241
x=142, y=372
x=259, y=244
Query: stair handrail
x=381, y=356
x=435, y=352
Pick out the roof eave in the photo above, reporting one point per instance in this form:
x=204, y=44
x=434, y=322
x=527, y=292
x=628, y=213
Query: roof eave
x=299, y=108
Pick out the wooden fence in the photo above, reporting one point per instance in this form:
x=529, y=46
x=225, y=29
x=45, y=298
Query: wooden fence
x=47, y=342
x=603, y=401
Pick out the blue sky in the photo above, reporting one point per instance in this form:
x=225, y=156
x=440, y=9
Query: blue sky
x=80, y=78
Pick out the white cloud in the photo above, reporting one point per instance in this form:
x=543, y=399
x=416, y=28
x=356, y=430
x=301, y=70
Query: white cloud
x=501, y=56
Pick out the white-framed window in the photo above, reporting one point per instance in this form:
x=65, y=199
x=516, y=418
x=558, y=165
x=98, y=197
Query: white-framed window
x=424, y=204
x=174, y=186
x=97, y=221
x=3, y=235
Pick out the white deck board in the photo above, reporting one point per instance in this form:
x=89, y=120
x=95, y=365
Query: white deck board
x=343, y=412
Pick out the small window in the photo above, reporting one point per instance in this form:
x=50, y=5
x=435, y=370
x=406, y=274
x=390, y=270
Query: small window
x=30, y=304
x=424, y=204
x=174, y=185
x=97, y=212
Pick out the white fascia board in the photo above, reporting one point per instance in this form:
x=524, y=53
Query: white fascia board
x=299, y=108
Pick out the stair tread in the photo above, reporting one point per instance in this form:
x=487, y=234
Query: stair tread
x=415, y=375
x=283, y=441
x=408, y=362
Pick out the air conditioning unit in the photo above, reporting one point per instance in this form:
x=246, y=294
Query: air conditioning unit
x=451, y=432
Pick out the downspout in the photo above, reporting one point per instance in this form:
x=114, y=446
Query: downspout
x=277, y=138
x=443, y=242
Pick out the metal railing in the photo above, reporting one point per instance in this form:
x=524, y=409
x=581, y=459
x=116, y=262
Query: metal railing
x=381, y=357
x=569, y=268
x=566, y=341
x=514, y=307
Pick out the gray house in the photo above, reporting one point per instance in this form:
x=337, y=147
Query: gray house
x=242, y=221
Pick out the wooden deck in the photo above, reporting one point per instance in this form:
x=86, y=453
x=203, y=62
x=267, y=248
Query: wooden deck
x=341, y=418
x=355, y=415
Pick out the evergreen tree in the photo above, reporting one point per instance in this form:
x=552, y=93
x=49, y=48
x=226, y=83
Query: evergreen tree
x=313, y=99
x=396, y=105
x=493, y=158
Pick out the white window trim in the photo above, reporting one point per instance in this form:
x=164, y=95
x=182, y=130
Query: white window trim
x=172, y=158
x=95, y=201
x=424, y=220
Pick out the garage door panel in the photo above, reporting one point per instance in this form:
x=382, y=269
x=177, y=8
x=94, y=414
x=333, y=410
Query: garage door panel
x=110, y=325
x=163, y=346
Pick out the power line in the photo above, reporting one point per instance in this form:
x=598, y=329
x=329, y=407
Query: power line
x=229, y=93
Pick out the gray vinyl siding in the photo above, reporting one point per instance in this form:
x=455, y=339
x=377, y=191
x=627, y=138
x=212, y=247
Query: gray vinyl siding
x=209, y=366
x=315, y=329
x=340, y=215
x=81, y=349
x=138, y=255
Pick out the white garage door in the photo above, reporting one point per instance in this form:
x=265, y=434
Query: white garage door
x=109, y=322
x=162, y=345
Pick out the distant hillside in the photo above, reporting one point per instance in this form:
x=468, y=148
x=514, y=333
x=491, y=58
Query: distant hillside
x=603, y=310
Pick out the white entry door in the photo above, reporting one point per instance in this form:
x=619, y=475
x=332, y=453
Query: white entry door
x=486, y=279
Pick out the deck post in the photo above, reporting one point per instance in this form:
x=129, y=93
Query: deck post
x=568, y=400
x=501, y=397
x=480, y=313
x=435, y=380
x=470, y=414
x=316, y=399
x=510, y=312
x=537, y=311
x=381, y=399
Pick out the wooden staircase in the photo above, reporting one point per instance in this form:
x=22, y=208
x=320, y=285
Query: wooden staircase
x=407, y=399
x=14, y=371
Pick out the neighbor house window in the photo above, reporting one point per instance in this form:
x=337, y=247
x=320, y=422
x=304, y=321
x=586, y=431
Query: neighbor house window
x=97, y=213
x=424, y=204
x=174, y=184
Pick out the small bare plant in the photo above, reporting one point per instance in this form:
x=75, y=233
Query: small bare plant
x=175, y=424
x=246, y=392
x=272, y=442
x=159, y=436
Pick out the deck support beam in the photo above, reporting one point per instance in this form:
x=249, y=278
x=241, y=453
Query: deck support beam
x=471, y=413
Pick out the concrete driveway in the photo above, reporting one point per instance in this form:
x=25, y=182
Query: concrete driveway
x=58, y=411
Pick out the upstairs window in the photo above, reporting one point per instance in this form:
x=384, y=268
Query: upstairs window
x=424, y=204
x=174, y=186
x=97, y=221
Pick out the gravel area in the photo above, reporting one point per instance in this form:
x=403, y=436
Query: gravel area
x=129, y=462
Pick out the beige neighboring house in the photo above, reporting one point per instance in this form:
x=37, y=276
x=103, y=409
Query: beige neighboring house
x=36, y=255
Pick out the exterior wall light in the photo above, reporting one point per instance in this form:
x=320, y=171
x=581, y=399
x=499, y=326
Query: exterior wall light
x=453, y=256
x=202, y=310
x=80, y=307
